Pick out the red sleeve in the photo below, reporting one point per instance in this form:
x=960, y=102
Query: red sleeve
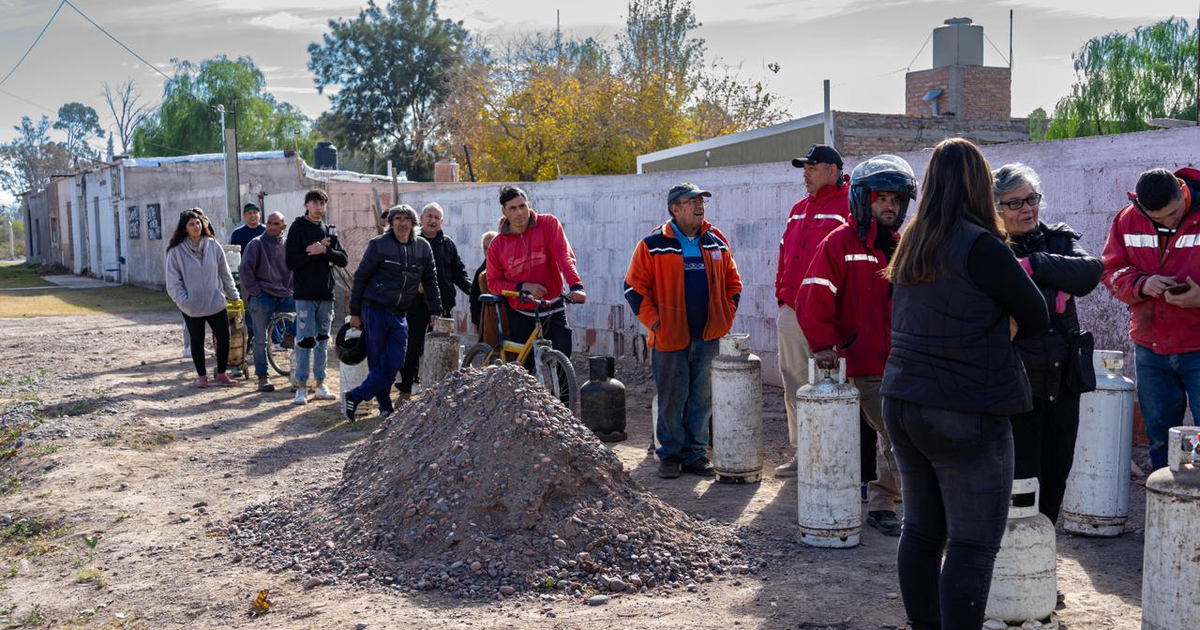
x=1123, y=279
x=819, y=294
x=561, y=250
x=497, y=279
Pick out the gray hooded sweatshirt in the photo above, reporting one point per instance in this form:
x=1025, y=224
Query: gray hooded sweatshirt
x=200, y=285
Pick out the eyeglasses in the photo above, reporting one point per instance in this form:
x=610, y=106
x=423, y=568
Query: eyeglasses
x=694, y=201
x=1016, y=204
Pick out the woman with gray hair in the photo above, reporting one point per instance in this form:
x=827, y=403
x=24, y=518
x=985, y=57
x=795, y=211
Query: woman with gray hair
x=1059, y=361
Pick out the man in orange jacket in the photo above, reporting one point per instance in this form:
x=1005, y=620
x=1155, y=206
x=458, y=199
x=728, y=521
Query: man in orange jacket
x=683, y=286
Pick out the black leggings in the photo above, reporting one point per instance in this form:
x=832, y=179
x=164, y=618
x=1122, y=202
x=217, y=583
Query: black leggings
x=219, y=323
x=1044, y=447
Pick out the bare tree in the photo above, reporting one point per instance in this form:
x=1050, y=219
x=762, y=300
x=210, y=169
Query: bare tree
x=124, y=103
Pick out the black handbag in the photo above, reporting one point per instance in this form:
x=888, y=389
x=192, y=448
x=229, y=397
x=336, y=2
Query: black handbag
x=1081, y=376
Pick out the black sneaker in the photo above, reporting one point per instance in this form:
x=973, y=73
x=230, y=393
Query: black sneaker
x=885, y=521
x=350, y=405
x=700, y=468
x=669, y=468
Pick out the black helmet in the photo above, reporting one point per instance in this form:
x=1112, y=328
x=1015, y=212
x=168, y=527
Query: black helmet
x=351, y=348
x=882, y=173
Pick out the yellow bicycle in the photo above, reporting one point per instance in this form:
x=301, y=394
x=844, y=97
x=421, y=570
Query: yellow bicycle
x=551, y=368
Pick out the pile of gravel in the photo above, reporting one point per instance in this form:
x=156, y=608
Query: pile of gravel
x=487, y=486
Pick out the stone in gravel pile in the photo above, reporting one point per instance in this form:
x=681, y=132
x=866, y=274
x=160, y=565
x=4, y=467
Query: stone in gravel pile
x=484, y=487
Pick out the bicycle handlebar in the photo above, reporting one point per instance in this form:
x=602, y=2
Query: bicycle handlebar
x=526, y=296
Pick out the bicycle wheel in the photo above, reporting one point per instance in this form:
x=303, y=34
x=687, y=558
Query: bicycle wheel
x=558, y=376
x=281, y=337
x=477, y=355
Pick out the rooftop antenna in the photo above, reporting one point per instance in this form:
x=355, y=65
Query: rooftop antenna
x=1010, y=37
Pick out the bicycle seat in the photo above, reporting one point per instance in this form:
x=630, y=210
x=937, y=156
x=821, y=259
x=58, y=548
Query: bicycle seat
x=488, y=298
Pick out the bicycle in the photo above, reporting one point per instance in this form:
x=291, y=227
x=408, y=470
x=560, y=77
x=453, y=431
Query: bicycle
x=281, y=339
x=551, y=368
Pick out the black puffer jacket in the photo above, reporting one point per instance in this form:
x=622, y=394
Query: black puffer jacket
x=450, y=269
x=1058, y=264
x=391, y=273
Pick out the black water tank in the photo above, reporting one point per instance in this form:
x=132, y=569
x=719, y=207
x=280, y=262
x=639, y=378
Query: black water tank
x=602, y=400
x=325, y=156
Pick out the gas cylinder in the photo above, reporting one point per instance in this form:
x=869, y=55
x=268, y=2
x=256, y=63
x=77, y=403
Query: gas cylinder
x=828, y=472
x=1096, y=502
x=1024, y=583
x=442, y=352
x=737, y=425
x=236, y=311
x=1171, y=559
x=602, y=400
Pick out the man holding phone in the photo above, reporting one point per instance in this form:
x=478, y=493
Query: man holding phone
x=1153, y=250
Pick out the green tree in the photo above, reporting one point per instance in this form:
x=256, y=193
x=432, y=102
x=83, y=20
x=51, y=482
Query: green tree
x=29, y=161
x=188, y=120
x=393, y=65
x=80, y=123
x=1123, y=79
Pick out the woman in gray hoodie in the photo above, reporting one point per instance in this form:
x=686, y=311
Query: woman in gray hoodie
x=199, y=282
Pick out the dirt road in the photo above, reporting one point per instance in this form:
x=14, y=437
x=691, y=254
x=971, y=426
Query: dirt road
x=118, y=444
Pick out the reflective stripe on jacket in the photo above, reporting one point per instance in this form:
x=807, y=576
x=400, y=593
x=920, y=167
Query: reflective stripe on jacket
x=810, y=221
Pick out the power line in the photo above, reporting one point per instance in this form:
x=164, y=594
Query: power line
x=989, y=40
x=35, y=42
x=914, y=59
x=110, y=36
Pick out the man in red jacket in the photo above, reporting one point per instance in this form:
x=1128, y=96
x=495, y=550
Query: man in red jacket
x=532, y=254
x=811, y=220
x=848, y=307
x=1150, y=261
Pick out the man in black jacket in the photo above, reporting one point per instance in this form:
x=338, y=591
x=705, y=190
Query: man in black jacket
x=397, y=266
x=312, y=250
x=450, y=273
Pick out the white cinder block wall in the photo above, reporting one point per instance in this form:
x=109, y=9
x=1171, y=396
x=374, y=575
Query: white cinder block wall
x=1084, y=182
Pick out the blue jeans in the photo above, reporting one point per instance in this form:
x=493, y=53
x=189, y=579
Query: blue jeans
x=386, y=336
x=1166, y=385
x=684, y=382
x=261, y=309
x=312, y=338
x=956, y=472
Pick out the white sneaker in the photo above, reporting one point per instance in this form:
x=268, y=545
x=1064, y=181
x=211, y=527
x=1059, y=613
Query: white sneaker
x=301, y=396
x=788, y=469
x=323, y=393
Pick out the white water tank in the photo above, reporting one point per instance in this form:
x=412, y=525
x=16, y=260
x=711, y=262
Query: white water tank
x=828, y=472
x=443, y=353
x=958, y=42
x=1171, y=556
x=1096, y=502
x=737, y=425
x=1024, y=583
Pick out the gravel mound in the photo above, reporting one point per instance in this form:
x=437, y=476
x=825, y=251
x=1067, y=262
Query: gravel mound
x=484, y=487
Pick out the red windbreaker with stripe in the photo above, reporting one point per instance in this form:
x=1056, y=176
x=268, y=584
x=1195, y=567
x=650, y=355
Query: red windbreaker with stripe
x=811, y=220
x=847, y=301
x=1132, y=254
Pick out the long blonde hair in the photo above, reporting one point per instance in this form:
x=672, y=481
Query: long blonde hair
x=957, y=187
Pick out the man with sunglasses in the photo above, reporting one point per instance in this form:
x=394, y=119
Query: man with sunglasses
x=1151, y=260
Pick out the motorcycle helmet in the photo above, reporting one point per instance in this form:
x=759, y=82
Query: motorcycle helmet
x=350, y=346
x=882, y=173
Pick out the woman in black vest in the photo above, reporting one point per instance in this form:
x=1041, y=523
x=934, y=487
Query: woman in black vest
x=1059, y=362
x=951, y=382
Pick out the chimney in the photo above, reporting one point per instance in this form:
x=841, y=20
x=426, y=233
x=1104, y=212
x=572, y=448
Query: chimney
x=445, y=171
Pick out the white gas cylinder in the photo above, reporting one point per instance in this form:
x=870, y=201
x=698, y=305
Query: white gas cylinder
x=1171, y=556
x=443, y=354
x=1024, y=582
x=737, y=412
x=1096, y=502
x=828, y=473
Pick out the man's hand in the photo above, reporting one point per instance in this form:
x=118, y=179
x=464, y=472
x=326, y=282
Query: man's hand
x=1154, y=286
x=1012, y=328
x=1189, y=299
x=578, y=297
x=536, y=291
x=356, y=322
x=318, y=248
x=827, y=359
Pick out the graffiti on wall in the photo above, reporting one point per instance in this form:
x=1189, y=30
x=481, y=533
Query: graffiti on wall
x=135, y=223
x=154, y=221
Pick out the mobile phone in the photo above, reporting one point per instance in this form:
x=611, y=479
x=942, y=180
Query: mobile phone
x=1178, y=289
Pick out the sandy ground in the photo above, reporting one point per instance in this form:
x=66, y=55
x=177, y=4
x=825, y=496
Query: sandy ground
x=127, y=449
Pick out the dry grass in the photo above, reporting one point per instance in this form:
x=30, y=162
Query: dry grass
x=53, y=301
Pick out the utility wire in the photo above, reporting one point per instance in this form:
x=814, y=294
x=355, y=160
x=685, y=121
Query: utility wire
x=910, y=64
x=989, y=40
x=35, y=41
x=118, y=42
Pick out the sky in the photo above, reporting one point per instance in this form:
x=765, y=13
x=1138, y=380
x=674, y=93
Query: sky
x=863, y=46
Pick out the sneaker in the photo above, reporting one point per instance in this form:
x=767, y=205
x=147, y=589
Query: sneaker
x=225, y=380
x=323, y=393
x=350, y=406
x=700, y=468
x=788, y=469
x=885, y=521
x=301, y=396
x=264, y=385
x=202, y=382
x=187, y=352
x=384, y=414
x=669, y=468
